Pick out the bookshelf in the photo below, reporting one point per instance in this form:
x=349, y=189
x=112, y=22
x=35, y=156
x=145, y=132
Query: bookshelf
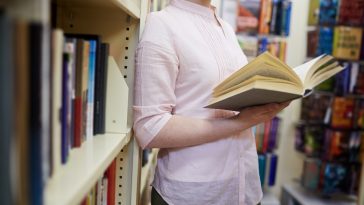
x=84, y=167
x=118, y=23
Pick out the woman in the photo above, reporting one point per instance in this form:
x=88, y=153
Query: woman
x=207, y=156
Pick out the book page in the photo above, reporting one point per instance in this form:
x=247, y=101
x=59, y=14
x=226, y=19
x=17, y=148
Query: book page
x=302, y=70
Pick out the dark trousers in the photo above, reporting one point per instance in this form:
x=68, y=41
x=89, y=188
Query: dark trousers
x=156, y=199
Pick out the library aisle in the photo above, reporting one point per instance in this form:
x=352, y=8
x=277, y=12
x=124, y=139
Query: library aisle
x=67, y=83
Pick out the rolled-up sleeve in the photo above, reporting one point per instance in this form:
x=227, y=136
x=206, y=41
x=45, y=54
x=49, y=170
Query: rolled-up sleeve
x=155, y=76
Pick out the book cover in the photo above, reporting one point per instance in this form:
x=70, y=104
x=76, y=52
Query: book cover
x=346, y=14
x=342, y=112
x=299, y=142
x=265, y=16
x=286, y=18
x=311, y=173
x=57, y=54
x=315, y=107
x=268, y=157
x=339, y=146
x=111, y=177
x=314, y=11
x=347, y=42
x=91, y=89
x=85, y=89
x=102, y=90
x=21, y=109
x=334, y=174
x=342, y=81
x=359, y=114
x=262, y=168
x=70, y=48
x=267, y=127
x=314, y=138
x=273, y=170
x=65, y=114
x=328, y=11
x=78, y=94
x=35, y=119
x=359, y=84
x=312, y=42
x=6, y=108
x=272, y=141
x=276, y=4
x=326, y=37
x=267, y=79
x=248, y=16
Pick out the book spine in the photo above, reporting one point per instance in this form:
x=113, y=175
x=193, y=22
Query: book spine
x=6, y=106
x=262, y=168
x=65, y=107
x=111, y=175
x=267, y=126
x=273, y=134
x=85, y=89
x=104, y=56
x=57, y=44
x=35, y=120
x=91, y=89
x=273, y=170
x=78, y=99
x=273, y=22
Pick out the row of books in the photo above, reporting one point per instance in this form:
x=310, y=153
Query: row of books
x=329, y=144
x=104, y=191
x=332, y=111
x=343, y=42
x=267, y=169
x=336, y=12
x=329, y=178
x=264, y=16
x=253, y=46
x=266, y=135
x=53, y=90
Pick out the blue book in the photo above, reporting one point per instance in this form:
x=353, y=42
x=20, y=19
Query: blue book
x=35, y=115
x=262, y=168
x=328, y=11
x=273, y=169
x=6, y=107
x=65, y=123
x=91, y=88
x=288, y=11
x=326, y=36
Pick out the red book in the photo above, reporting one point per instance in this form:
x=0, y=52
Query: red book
x=111, y=175
x=266, y=135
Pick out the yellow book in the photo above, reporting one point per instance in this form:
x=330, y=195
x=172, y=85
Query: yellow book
x=267, y=79
x=347, y=42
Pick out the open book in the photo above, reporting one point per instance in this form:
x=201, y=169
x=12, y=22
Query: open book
x=267, y=79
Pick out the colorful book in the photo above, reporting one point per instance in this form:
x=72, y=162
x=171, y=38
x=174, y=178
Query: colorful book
x=66, y=109
x=275, y=18
x=265, y=16
x=312, y=42
x=91, y=88
x=342, y=112
x=248, y=16
x=267, y=126
x=328, y=11
x=249, y=44
x=359, y=114
x=272, y=141
x=359, y=83
x=273, y=169
x=314, y=11
x=78, y=114
x=262, y=168
x=111, y=177
x=347, y=42
x=326, y=37
x=342, y=80
x=351, y=12
x=311, y=173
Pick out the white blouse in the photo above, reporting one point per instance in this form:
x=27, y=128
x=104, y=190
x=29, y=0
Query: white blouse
x=185, y=51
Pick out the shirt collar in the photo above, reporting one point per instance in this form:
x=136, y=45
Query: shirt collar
x=194, y=8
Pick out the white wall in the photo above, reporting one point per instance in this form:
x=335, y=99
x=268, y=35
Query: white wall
x=290, y=162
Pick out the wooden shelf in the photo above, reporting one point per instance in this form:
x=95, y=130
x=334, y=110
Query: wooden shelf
x=130, y=7
x=146, y=169
x=86, y=164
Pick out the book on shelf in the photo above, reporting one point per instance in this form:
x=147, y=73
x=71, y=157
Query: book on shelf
x=265, y=16
x=328, y=11
x=313, y=14
x=267, y=79
x=346, y=14
x=342, y=112
x=311, y=173
x=347, y=42
x=326, y=37
x=248, y=16
x=312, y=42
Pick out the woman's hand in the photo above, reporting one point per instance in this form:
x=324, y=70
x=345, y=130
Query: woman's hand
x=251, y=116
